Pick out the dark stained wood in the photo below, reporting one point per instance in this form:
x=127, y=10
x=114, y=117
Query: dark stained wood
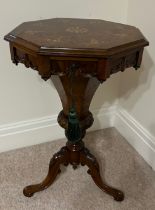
x=100, y=47
x=84, y=88
x=75, y=155
x=66, y=34
x=96, y=49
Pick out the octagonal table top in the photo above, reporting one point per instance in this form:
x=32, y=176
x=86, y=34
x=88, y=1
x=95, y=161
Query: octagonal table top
x=76, y=36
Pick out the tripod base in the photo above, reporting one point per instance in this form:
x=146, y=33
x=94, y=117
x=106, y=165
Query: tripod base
x=74, y=154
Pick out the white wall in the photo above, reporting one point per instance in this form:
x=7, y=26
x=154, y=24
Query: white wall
x=138, y=88
x=24, y=96
x=136, y=118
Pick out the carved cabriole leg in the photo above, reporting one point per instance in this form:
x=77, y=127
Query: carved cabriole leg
x=59, y=158
x=74, y=154
x=86, y=158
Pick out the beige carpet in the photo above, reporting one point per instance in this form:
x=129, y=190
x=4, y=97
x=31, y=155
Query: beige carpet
x=120, y=164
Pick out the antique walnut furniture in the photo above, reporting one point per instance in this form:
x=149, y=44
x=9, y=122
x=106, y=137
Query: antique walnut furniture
x=78, y=55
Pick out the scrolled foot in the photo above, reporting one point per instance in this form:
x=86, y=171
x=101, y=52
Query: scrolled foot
x=54, y=169
x=93, y=169
x=118, y=196
x=28, y=192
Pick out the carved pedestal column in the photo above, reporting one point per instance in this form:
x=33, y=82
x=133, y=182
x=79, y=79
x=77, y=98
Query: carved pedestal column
x=83, y=89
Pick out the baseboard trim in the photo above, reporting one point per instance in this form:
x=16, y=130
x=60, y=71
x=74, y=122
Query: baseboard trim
x=142, y=141
x=36, y=131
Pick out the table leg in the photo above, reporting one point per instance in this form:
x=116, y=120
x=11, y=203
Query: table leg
x=74, y=154
x=60, y=157
x=88, y=159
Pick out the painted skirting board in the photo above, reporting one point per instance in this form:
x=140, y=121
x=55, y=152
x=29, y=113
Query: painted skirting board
x=137, y=136
x=31, y=132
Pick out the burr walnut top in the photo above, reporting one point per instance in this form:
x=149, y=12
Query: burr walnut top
x=76, y=36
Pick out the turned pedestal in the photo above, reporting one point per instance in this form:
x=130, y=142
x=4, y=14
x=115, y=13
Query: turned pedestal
x=92, y=50
x=75, y=153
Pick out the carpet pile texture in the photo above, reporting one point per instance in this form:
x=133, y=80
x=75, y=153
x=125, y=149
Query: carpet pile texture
x=121, y=166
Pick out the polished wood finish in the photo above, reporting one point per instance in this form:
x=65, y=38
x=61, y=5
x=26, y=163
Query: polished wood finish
x=76, y=36
x=75, y=155
x=96, y=49
x=100, y=47
x=83, y=90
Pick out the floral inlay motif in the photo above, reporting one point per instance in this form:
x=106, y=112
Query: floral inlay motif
x=76, y=29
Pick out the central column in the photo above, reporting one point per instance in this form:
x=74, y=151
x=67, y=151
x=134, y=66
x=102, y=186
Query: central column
x=84, y=87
